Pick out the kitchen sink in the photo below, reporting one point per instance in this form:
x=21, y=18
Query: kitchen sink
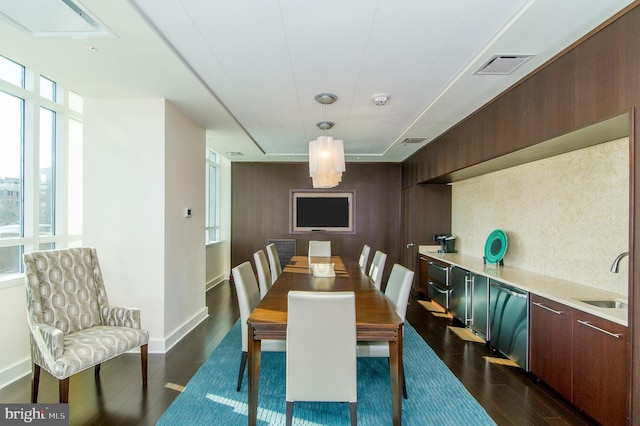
x=611, y=304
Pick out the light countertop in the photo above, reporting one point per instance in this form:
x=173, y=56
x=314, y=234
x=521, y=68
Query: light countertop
x=562, y=291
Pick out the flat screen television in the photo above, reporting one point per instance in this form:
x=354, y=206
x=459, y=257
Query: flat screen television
x=322, y=211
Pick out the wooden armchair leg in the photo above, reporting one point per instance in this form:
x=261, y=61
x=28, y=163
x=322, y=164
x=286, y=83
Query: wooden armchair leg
x=144, y=361
x=35, y=383
x=63, y=388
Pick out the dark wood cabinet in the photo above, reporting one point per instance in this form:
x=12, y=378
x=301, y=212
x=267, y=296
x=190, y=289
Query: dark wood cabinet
x=516, y=120
x=550, y=334
x=423, y=281
x=600, y=368
x=581, y=356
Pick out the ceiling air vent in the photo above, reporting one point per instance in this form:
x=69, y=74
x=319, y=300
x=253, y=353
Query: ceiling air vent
x=234, y=153
x=45, y=18
x=409, y=141
x=502, y=64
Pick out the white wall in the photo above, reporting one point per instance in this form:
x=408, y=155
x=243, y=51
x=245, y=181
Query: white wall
x=15, y=358
x=133, y=177
x=566, y=216
x=185, y=165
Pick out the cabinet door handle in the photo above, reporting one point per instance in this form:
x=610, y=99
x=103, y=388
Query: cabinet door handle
x=540, y=305
x=437, y=288
x=588, y=324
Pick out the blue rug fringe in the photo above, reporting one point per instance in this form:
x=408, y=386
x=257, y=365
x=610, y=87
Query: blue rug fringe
x=436, y=396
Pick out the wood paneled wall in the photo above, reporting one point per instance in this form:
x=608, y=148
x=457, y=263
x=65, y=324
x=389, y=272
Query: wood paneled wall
x=260, y=209
x=596, y=79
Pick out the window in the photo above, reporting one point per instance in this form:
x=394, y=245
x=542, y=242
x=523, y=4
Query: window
x=11, y=72
x=38, y=134
x=213, y=197
x=11, y=182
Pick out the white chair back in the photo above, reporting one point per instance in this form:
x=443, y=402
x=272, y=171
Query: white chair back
x=248, y=295
x=264, y=276
x=398, y=288
x=377, y=268
x=397, y=292
x=364, y=257
x=319, y=248
x=321, y=348
x=248, y=298
x=274, y=262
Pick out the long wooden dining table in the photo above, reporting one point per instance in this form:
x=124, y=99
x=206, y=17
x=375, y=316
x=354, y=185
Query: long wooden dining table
x=376, y=319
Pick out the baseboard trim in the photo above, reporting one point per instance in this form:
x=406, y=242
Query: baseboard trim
x=214, y=282
x=15, y=372
x=163, y=346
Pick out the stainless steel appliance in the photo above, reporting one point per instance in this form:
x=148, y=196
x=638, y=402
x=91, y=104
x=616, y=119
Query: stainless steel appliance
x=509, y=322
x=439, y=284
x=469, y=300
x=460, y=296
x=479, y=321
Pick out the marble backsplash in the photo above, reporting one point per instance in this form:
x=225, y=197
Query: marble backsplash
x=565, y=216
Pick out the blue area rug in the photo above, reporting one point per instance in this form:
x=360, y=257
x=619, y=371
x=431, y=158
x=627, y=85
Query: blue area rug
x=436, y=396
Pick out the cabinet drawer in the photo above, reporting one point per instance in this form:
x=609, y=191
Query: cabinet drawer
x=439, y=294
x=439, y=273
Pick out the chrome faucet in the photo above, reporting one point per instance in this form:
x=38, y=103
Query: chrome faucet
x=616, y=262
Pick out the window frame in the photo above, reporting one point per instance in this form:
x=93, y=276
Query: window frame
x=56, y=100
x=212, y=164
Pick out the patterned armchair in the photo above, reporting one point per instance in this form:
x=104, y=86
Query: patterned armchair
x=71, y=323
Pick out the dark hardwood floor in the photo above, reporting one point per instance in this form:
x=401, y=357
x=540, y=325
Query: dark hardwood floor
x=510, y=396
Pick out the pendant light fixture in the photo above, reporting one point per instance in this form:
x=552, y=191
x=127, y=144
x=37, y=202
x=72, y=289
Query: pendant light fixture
x=326, y=155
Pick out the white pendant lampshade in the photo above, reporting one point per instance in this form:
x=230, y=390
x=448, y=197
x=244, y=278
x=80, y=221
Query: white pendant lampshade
x=326, y=162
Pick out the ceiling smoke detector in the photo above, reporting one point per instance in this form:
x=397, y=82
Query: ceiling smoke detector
x=380, y=99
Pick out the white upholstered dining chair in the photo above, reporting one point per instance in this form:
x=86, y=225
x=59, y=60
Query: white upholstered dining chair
x=264, y=276
x=319, y=248
x=321, y=349
x=72, y=326
x=248, y=298
x=364, y=257
x=377, y=268
x=274, y=262
x=397, y=292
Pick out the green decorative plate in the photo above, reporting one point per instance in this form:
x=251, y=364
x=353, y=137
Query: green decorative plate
x=496, y=246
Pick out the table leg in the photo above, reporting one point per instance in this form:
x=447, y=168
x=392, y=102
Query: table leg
x=253, y=359
x=395, y=364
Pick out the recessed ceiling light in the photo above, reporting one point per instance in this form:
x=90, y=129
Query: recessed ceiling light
x=91, y=48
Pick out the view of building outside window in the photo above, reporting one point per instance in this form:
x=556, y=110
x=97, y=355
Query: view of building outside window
x=32, y=145
x=11, y=185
